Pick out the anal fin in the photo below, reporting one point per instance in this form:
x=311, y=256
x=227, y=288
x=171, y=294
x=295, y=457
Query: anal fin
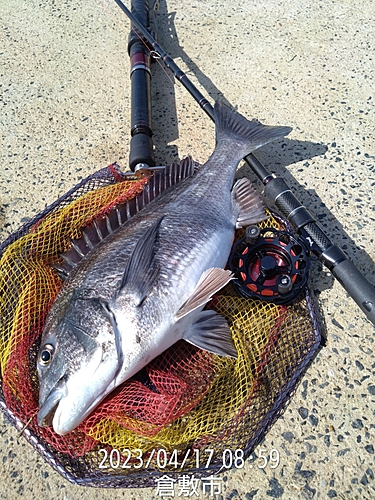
x=250, y=203
x=211, y=333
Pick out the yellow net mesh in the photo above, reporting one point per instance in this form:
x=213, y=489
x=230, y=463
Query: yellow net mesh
x=28, y=285
x=190, y=399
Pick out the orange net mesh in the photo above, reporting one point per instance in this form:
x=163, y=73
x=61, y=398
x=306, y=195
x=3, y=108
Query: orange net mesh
x=184, y=399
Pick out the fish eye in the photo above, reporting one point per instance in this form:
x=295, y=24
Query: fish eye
x=45, y=355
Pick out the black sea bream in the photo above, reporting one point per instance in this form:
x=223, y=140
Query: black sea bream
x=144, y=286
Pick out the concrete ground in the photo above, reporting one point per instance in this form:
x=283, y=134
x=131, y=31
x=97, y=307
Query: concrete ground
x=307, y=64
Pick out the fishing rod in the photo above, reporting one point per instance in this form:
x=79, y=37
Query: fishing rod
x=169, y=62
x=277, y=190
x=141, y=144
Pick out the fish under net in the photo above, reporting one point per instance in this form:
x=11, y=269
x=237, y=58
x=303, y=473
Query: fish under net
x=183, y=401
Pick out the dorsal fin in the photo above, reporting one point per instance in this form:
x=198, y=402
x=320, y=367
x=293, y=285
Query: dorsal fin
x=100, y=228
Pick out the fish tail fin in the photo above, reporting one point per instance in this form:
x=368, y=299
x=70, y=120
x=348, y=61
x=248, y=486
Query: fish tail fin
x=232, y=127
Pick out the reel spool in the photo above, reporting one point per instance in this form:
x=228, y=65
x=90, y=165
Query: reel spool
x=270, y=265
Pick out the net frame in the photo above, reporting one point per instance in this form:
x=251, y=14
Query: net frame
x=85, y=469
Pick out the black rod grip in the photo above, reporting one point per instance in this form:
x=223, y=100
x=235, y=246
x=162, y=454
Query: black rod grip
x=357, y=286
x=141, y=151
x=140, y=9
x=360, y=290
x=278, y=191
x=141, y=144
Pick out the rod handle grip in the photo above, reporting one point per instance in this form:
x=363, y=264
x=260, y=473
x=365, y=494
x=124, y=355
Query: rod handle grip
x=141, y=9
x=357, y=286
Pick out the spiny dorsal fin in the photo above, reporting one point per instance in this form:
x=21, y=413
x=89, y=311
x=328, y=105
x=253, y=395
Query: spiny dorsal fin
x=92, y=235
x=62, y=269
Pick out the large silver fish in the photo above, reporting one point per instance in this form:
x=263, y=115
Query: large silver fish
x=143, y=286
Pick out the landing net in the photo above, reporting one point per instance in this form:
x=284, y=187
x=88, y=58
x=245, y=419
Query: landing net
x=183, y=401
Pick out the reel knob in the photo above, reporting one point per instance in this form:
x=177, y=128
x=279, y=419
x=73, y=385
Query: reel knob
x=252, y=234
x=284, y=284
x=269, y=264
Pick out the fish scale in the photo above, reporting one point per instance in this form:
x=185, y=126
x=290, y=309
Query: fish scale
x=143, y=286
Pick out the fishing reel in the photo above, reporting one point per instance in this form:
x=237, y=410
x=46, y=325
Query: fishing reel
x=270, y=265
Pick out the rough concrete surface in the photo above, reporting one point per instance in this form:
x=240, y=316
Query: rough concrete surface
x=308, y=64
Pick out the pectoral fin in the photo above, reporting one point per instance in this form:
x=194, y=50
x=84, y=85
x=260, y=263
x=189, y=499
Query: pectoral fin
x=141, y=271
x=209, y=283
x=211, y=333
x=250, y=203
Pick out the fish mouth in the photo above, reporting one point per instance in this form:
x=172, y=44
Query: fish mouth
x=59, y=411
x=48, y=408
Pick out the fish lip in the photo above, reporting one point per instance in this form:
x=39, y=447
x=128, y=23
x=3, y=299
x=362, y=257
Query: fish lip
x=63, y=428
x=48, y=407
